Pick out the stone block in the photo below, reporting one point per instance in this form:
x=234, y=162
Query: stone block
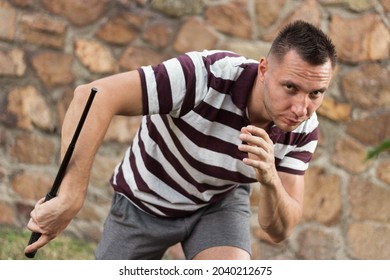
x=194, y=35
x=367, y=241
x=158, y=34
x=24, y=3
x=322, y=200
x=31, y=185
x=178, y=8
x=134, y=57
x=96, y=57
x=24, y=208
x=360, y=5
x=383, y=171
x=102, y=169
x=371, y=130
x=368, y=86
x=308, y=11
x=7, y=21
x=359, y=39
x=122, y=129
x=117, y=30
x=7, y=214
x=254, y=50
x=368, y=201
x=318, y=244
x=350, y=155
x=29, y=108
x=42, y=30
x=267, y=12
x=33, y=149
x=231, y=18
x=53, y=68
x=12, y=63
x=79, y=13
x=386, y=5
x=335, y=111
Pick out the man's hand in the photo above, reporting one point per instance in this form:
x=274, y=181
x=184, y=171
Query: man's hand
x=260, y=150
x=49, y=218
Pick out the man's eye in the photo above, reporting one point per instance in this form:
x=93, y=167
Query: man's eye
x=316, y=94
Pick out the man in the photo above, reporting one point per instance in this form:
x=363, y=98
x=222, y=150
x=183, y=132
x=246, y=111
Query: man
x=213, y=123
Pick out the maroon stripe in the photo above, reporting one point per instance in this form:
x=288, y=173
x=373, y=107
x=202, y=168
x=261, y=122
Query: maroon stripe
x=188, y=68
x=292, y=138
x=303, y=156
x=164, y=91
x=243, y=86
x=214, y=57
x=290, y=171
x=145, y=104
x=209, y=142
x=221, y=116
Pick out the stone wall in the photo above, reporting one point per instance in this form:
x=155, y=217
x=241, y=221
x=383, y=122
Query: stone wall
x=47, y=48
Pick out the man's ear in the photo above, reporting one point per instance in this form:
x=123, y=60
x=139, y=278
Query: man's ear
x=262, y=68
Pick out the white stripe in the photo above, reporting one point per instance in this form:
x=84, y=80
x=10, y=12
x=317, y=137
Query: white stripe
x=294, y=163
x=222, y=101
x=200, y=77
x=151, y=89
x=309, y=147
x=214, y=129
x=116, y=171
x=226, y=68
x=281, y=150
x=177, y=82
x=147, y=205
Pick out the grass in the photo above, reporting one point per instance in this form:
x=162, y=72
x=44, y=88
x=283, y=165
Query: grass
x=13, y=242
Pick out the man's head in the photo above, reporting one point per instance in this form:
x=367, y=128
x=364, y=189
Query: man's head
x=312, y=45
x=293, y=78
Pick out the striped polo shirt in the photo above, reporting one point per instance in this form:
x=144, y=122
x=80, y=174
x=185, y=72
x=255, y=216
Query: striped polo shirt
x=185, y=153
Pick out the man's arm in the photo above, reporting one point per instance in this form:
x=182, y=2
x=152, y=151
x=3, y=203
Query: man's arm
x=281, y=206
x=281, y=194
x=119, y=94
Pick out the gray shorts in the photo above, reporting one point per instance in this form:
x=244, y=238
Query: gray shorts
x=130, y=233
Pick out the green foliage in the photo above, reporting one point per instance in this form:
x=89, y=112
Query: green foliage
x=13, y=242
x=385, y=145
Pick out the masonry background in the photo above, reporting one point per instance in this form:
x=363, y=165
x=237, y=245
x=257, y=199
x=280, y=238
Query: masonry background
x=47, y=48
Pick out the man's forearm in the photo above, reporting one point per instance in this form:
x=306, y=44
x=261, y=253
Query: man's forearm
x=278, y=213
x=76, y=179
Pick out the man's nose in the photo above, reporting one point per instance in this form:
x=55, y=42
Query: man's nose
x=300, y=105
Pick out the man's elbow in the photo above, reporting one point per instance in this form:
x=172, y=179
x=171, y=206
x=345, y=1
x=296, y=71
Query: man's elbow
x=278, y=234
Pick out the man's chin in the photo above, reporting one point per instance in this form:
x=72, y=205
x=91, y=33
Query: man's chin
x=287, y=127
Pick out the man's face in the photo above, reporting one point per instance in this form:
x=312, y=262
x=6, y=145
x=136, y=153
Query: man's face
x=292, y=89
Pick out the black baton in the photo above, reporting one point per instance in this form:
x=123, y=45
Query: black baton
x=65, y=161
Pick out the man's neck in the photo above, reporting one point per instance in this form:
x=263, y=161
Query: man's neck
x=256, y=112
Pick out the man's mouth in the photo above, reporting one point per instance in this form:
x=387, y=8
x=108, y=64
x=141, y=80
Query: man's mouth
x=293, y=122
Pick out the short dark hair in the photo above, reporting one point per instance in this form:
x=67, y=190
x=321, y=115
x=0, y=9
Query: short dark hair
x=311, y=43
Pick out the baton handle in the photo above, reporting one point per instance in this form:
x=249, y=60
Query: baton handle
x=35, y=235
x=61, y=172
